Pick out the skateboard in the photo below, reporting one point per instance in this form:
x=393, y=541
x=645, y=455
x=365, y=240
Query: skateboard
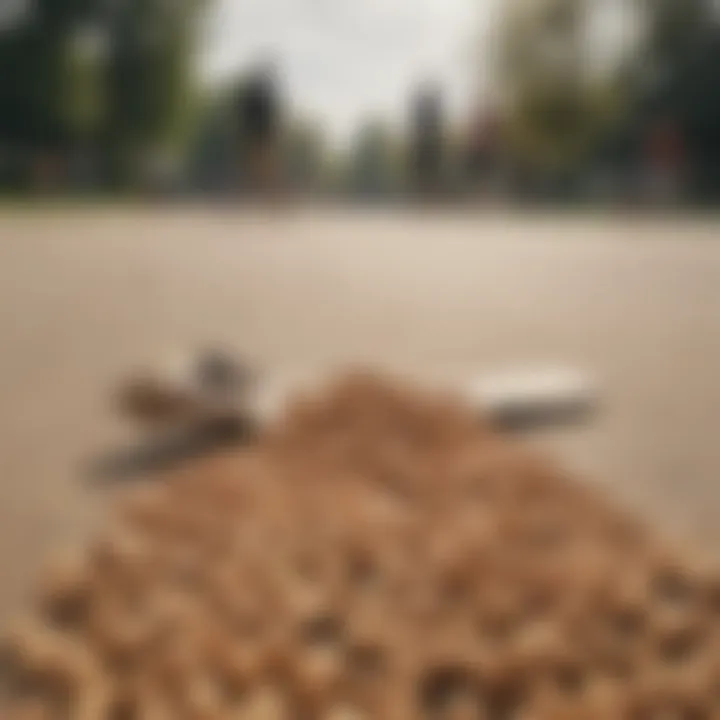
x=209, y=400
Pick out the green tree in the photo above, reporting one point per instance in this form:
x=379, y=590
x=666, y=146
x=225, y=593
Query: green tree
x=683, y=50
x=150, y=90
x=673, y=27
x=40, y=79
x=555, y=109
x=111, y=73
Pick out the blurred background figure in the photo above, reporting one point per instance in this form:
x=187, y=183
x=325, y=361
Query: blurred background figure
x=664, y=161
x=259, y=119
x=483, y=172
x=372, y=172
x=426, y=141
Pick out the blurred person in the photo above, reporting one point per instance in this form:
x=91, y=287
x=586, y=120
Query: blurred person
x=426, y=144
x=259, y=111
x=664, y=161
x=483, y=162
x=371, y=170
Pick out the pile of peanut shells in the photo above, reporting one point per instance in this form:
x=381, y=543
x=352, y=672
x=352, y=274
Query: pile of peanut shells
x=377, y=554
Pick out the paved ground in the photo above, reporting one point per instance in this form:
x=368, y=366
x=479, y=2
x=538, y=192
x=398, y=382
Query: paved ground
x=86, y=295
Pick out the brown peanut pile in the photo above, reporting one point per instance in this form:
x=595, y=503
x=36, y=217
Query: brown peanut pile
x=377, y=555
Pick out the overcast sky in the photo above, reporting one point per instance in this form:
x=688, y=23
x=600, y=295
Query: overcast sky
x=345, y=60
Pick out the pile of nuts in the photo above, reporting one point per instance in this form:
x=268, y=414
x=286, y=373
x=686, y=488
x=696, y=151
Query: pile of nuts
x=375, y=555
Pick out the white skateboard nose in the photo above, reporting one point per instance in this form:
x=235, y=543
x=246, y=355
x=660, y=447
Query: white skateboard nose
x=533, y=396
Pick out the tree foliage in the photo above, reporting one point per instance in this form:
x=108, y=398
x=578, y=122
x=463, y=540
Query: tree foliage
x=555, y=109
x=113, y=73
